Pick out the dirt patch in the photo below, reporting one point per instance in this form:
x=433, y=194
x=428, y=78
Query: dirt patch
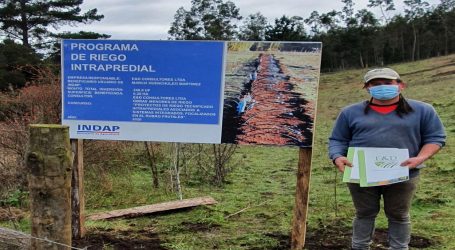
x=427, y=70
x=326, y=237
x=339, y=237
x=447, y=73
x=143, y=239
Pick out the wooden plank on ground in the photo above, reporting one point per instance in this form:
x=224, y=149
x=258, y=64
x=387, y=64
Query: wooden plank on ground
x=155, y=208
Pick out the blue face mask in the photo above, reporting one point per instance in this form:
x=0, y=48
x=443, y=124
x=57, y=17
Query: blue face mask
x=384, y=92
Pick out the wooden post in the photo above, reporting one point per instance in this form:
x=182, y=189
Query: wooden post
x=301, y=199
x=77, y=190
x=49, y=166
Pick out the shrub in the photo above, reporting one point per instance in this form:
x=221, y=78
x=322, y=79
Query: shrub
x=38, y=102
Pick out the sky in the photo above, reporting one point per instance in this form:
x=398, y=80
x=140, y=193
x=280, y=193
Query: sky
x=151, y=19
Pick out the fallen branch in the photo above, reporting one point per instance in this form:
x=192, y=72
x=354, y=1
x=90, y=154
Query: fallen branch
x=246, y=208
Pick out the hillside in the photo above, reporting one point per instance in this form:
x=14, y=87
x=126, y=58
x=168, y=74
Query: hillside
x=254, y=209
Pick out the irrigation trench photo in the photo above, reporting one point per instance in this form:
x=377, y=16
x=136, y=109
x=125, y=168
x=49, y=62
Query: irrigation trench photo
x=270, y=92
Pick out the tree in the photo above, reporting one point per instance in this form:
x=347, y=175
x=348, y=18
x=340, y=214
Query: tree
x=314, y=21
x=207, y=19
x=330, y=20
x=367, y=36
x=384, y=6
x=366, y=18
x=29, y=20
x=254, y=28
x=397, y=31
x=185, y=27
x=287, y=29
x=13, y=58
x=414, y=10
x=348, y=13
x=445, y=12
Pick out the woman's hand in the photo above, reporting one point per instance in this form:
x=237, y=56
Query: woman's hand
x=341, y=162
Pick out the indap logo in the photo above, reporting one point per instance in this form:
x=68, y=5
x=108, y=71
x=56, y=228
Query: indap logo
x=98, y=129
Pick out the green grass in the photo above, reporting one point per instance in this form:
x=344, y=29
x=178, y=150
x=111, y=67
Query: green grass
x=262, y=184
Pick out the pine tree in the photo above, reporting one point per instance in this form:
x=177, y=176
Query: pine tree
x=29, y=20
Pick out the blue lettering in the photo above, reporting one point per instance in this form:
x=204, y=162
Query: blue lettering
x=97, y=128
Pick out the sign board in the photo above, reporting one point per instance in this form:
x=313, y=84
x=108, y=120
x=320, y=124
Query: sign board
x=141, y=90
x=190, y=91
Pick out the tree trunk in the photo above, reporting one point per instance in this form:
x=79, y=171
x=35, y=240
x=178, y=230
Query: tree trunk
x=414, y=43
x=361, y=60
x=177, y=170
x=49, y=165
x=24, y=23
x=403, y=55
x=152, y=158
x=446, y=39
x=418, y=55
x=216, y=164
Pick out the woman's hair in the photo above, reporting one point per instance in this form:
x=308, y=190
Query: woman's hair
x=403, y=107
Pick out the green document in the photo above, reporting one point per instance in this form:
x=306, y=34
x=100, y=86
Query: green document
x=351, y=173
x=376, y=166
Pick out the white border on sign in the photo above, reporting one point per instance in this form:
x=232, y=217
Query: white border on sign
x=144, y=131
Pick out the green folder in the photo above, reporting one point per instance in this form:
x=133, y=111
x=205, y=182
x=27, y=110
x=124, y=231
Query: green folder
x=362, y=168
x=361, y=165
x=347, y=175
x=347, y=170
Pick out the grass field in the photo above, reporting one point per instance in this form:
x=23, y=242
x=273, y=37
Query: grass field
x=254, y=209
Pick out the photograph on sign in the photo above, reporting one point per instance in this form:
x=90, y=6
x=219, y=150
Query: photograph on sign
x=271, y=92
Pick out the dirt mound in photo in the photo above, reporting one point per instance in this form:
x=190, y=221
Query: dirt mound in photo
x=273, y=116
